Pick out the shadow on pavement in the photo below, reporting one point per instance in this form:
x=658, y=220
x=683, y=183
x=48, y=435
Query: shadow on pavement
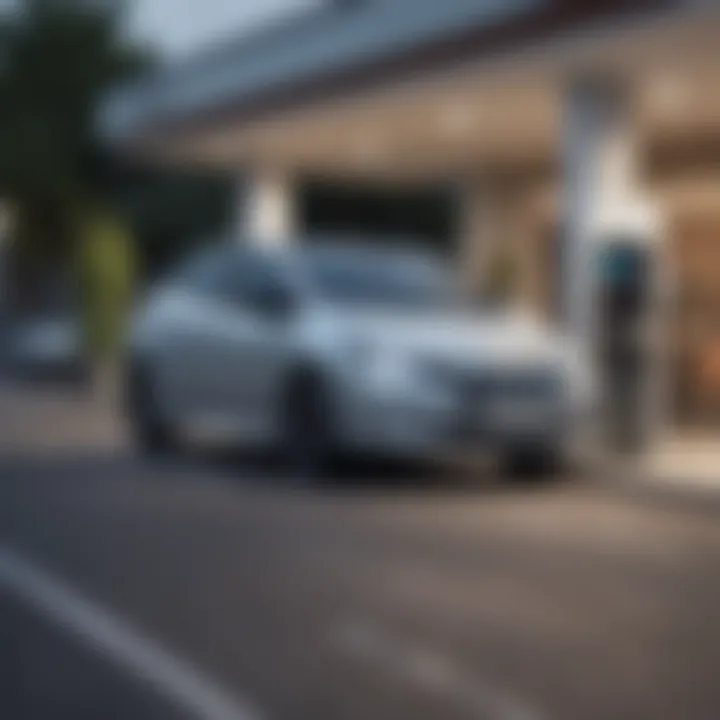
x=74, y=466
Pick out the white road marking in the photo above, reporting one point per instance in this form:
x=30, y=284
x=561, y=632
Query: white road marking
x=431, y=672
x=175, y=679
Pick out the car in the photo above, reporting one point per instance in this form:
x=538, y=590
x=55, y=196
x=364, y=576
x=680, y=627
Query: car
x=47, y=345
x=324, y=350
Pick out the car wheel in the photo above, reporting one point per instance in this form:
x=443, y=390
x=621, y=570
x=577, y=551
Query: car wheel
x=531, y=463
x=307, y=447
x=151, y=433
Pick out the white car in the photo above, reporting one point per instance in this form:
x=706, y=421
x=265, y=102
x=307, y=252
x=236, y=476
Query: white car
x=324, y=350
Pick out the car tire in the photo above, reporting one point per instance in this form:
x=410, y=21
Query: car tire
x=307, y=451
x=531, y=463
x=151, y=433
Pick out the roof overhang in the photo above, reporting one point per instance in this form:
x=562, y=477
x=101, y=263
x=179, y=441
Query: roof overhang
x=317, y=92
x=316, y=47
x=337, y=50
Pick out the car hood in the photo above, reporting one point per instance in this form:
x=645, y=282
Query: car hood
x=458, y=337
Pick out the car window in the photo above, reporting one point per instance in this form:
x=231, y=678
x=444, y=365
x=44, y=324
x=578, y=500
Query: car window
x=209, y=273
x=260, y=280
x=240, y=276
x=400, y=280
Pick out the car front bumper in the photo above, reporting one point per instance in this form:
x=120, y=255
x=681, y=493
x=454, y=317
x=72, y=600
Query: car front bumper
x=414, y=427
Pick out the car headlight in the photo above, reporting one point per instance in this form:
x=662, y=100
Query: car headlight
x=389, y=368
x=380, y=366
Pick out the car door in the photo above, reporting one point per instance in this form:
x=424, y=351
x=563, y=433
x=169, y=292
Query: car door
x=250, y=344
x=192, y=305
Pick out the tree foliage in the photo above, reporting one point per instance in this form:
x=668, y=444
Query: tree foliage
x=58, y=60
x=105, y=272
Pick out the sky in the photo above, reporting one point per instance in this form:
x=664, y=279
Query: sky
x=180, y=27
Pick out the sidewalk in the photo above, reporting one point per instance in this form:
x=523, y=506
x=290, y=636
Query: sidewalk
x=685, y=470
x=37, y=417
x=692, y=461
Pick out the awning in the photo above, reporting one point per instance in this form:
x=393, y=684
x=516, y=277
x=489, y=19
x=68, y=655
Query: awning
x=341, y=47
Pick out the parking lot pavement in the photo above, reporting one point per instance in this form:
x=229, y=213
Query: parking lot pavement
x=383, y=600
x=47, y=673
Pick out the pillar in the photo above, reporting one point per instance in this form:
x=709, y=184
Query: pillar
x=267, y=215
x=601, y=193
x=603, y=199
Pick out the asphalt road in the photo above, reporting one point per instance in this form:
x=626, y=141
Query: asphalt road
x=201, y=588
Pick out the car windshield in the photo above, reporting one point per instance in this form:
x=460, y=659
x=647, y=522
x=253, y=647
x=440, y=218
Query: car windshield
x=383, y=278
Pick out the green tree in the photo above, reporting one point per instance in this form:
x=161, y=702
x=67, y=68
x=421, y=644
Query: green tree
x=105, y=271
x=57, y=59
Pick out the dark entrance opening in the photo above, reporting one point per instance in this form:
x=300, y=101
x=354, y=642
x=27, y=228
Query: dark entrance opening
x=425, y=215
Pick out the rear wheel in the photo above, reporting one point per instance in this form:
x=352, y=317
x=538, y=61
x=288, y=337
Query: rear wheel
x=307, y=450
x=523, y=462
x=151, y=433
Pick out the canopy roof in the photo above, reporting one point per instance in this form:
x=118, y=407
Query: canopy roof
x=340, y=45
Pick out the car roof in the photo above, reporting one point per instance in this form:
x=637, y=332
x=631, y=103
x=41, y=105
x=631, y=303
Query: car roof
x=345, y=246
x=367, y=250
